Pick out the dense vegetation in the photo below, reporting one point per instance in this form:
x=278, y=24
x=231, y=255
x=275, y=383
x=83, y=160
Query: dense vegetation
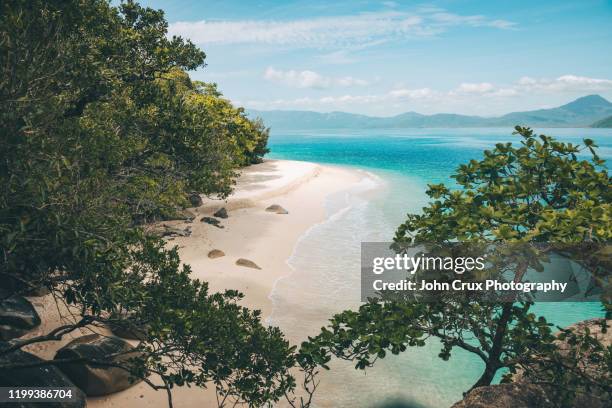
x=102, y=129
x=540, y=193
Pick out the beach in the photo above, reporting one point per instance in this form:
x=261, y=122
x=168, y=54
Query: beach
x=250, y=232
x=309, y=260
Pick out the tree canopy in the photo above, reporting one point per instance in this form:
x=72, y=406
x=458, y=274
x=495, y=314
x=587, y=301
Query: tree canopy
x=539, y=192
x=101, y=130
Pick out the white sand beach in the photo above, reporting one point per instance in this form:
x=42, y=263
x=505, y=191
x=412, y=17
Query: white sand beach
x=251, y=233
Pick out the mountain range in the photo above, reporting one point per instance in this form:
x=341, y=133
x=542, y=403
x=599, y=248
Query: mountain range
x=582, y=112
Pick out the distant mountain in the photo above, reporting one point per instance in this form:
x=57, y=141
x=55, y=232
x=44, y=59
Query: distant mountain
x=580, y=113
x=604, y=123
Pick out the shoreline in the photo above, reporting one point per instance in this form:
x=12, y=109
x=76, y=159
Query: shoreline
x=250, y=232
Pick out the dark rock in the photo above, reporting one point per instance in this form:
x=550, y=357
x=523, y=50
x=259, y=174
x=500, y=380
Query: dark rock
x=186, y=215
x=212, y=221
x=196, y=200
x=247, y=263
x=17, y=316
x=41, y=376
x=168, y=231
x=124, y=326
x=216, y=253
x=277, y=209
x=37, y=291
x=94, y=379
x=33, y=288
x=129, y=332
x=512, y=395
x=221, y=213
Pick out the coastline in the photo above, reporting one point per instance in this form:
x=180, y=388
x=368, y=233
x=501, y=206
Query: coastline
x=252, y=233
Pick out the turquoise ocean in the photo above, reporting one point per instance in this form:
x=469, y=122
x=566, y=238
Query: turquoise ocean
x=397, y=166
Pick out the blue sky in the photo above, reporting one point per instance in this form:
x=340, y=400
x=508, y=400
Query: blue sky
x=388, y=57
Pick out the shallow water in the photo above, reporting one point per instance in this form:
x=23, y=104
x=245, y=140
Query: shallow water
x=397, y=167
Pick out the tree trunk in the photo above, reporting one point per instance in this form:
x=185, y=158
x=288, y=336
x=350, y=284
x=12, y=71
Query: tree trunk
x=487, y=376
x=493, y=362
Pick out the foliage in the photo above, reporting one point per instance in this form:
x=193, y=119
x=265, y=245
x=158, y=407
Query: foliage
x=101, y=129
x=539, y=192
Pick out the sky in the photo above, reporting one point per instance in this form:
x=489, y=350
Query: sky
x=383, y=58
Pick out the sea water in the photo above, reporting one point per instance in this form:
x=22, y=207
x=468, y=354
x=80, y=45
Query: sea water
x=396, y=165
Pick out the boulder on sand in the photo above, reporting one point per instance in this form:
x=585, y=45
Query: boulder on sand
x=126, y=327
x=196, y=200
x=212, y=221
x=92, y=378
x=186, y=215
x=247, y=263
x=164, y=231
x=17, y=316
x=277, y=209
x=41, y=376
x=216, y=253
x=221, y=213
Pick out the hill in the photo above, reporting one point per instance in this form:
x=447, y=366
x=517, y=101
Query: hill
x=604, y=123
x=579, y=113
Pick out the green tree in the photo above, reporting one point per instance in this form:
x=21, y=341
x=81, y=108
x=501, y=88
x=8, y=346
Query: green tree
x=100, y=129
x=539, y=192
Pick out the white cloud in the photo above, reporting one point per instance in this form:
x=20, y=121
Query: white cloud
x=564, y=83
x=310, y=79
x=350, y=81
x=390, y=4
x=298, y=79
x=474, y=88
x=326, y=32
x=344, y=101
x=529, y=85
x=450, y=19
x=475, y=98
x=404, y=93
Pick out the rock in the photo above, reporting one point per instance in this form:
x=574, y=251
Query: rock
x=594, y=326
x=96, y=380
x=17, y=316
x=39, y=291
x=196, y=200
x=247, y=263
x=221, y=213
x=512, y=395
x=42, y=376
x=186, y=215
x=216, y=253
x=277, y=209
x=164, y=230
x=168, y=231
x=16, y=285
x=594, y=397
x=212, y=221
x=129, y=332
x=127, y=328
